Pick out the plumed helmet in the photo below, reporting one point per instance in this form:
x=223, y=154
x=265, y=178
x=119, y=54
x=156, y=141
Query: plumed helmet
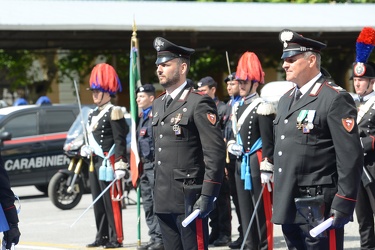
x=104, y=78
x=364, y=45
x=249, y=68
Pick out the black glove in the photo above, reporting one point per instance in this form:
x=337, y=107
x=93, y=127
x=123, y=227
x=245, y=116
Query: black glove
x=12, y=236
x=205, y=204
x=339, y=218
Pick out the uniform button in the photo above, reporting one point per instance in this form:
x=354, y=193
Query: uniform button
x=160, y=136
x=159, y=163
x=102, y=135
x=248, y=137
x=188, y=175
x=251, y=122
x=251, y=117
x=104, y=120
x=280, y=170
x=285, y=121
x=102, y=131
x=101, y=140
x=282, y=137
x=280, y=153
x=368, y=131
x=159, y=149
x=162, y=123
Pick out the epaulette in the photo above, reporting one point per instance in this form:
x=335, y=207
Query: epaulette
x=317, y=88
x=161, y=94
x=335, y=87
x=266, y=108
x=117, y=113
x=197, y=92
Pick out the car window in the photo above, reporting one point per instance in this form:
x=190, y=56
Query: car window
x=23, y=125
x=58, y=120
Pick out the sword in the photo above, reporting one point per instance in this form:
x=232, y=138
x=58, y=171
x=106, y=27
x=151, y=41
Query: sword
x=252, y=218
x=93, y=203
x=226, y=54
x=78, y=167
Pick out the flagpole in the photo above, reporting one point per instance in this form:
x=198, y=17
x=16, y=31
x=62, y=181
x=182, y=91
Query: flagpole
x=134, y=81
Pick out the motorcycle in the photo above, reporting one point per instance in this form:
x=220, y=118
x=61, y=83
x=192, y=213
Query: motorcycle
x=67, y=186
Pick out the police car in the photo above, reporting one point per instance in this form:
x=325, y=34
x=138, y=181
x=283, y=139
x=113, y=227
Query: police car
x=31, y=142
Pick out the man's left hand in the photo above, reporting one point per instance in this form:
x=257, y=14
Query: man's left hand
x=267, y=178
x=339, y=218
x=12, y=236
x=119, y=174
x=205, y=204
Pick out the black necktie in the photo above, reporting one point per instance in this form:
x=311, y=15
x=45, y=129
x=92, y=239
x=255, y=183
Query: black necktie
x=297, y=96
x=168, y=101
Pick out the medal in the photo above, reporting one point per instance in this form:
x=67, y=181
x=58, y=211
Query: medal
x=176, y=128
x=310, y=119
x=305, y=129
x=301, y=116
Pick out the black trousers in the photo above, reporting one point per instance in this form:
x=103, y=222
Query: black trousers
x=297, y=237
x=220, y=217
x=177, y=237
x=147, y=181
x=365, y=210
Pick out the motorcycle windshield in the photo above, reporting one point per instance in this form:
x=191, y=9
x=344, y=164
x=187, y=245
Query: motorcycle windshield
x=75, y=137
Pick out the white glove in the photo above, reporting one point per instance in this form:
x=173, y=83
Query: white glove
x=86, y=151
x=235, y=149
x=122, y=173
x=267, y=177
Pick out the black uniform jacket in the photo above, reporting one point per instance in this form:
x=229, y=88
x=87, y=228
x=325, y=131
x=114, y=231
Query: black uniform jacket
x=329, y=155
x=145, y=139
x=110, y=131
x=196, y=154
x=6, y=196
x=367, y=133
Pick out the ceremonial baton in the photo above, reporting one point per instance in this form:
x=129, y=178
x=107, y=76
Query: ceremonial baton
x=321, y=227
x=92, y=204
x=252, y=217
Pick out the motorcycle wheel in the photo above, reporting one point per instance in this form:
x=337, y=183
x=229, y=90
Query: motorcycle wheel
x=58, y=191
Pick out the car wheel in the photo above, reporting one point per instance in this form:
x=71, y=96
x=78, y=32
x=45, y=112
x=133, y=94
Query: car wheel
x=42, y=188
x=58, y=191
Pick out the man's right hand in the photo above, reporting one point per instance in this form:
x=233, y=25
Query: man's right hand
x=235, y=149
x=86, y=151
x=12, y=236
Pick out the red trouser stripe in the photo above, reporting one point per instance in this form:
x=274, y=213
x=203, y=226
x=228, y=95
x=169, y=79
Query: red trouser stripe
x=200, y=235
x=116, y=206
x=267, y=204
x=332, y=239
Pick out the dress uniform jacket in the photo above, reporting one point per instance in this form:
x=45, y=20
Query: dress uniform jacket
x=110, y=131
x=7, y=196
x=329, y=155
x=366, y=126
x=365, y=207
x=195, y=155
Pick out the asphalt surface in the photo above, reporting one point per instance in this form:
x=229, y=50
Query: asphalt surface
x=45, y=227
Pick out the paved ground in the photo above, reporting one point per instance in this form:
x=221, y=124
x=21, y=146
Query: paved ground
x=45, y=227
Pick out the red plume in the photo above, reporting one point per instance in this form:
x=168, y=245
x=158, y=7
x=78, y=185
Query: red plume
x=367, y=36
x=104, y=77
x=249, y=68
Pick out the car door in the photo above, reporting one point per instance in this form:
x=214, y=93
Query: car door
x=22, y=153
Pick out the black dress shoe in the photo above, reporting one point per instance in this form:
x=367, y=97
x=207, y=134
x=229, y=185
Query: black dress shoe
x=112, y=245
x=156, y=246
x=97, y=243
x=146, y=246
x=213, y=236
x=236, y=244
x=223, y=240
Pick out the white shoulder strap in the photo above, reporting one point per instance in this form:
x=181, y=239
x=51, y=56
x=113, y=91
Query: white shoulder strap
x=363, y=110
x=237, y=125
